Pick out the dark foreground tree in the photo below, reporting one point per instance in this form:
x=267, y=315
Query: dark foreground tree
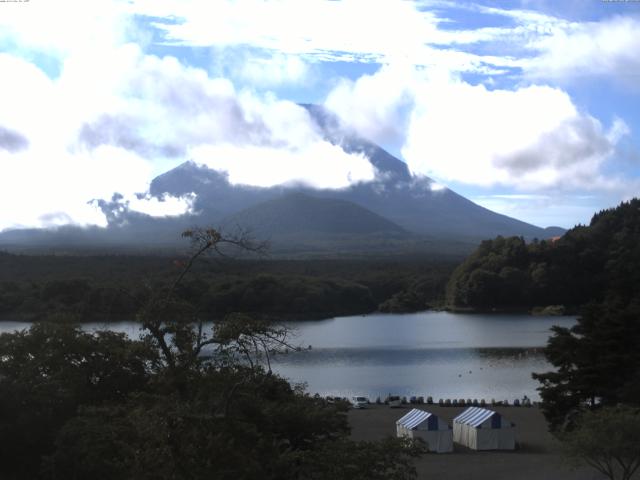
x=46, y=373
x=187, y=402
x=608, y=440
x=597, y=364
x=344, y=459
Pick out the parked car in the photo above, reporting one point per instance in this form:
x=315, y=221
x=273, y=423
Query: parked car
x=394, y=401
x=359, y=402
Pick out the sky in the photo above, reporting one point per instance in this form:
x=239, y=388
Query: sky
x=528, y=107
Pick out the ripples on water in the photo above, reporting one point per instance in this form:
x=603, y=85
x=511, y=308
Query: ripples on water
x=436, y=354
x=407, y=356
x=500, y=373
x=440, y=354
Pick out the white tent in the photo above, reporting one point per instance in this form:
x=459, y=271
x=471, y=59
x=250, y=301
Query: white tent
x=435, y=432
x=482, y=429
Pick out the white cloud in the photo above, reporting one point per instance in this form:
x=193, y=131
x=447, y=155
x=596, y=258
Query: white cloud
x=289, y=32
x=111, y=124
x=528, y=137
x=24, y=89
x=318, y=164
x=317, y=30
x=532, y=137
x=166, y=205
x=608, y=47
x=45, y=181
x=278, y=69
x=64, y=27
x=375, y=105
x=338, y=29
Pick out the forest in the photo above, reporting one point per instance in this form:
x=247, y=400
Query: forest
x=588, y=263
x=111, y=287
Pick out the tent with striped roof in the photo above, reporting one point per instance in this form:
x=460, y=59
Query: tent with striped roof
x=482, y=429
x=435, y=432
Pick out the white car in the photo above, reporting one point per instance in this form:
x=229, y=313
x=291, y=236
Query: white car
x=359, y=402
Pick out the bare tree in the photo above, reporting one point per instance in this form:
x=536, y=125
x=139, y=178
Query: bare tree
x=175, y=327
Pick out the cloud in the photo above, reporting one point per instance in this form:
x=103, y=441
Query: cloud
x=12, y=141
x=318, y=164
x=608, y=47
x=275, y=70
x=166, y=205
x=337, y=30
x=180, y=111
x=65, y=27
x=135, y=210
x=120, y=131
x=25, y=89
x=285, y=37
x=112, y=125
x=572, y=142
x=530, y=138
x=375, y=105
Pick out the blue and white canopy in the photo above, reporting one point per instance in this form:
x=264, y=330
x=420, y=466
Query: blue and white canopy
x=482, y=429
x=416, y=417
x=476, y=416
x=427, y=427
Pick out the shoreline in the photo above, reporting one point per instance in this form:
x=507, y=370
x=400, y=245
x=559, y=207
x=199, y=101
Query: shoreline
x=32, y=317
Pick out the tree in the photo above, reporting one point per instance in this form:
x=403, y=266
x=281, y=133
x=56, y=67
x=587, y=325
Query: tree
x=588, y=263
x=47, y=373
x=345, y=460
x=597, y=364
x=608, y=440
x=185, y=402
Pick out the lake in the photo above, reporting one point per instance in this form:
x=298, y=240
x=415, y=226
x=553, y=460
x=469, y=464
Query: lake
x=441, y=354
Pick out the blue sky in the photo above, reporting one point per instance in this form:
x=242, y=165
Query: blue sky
x=527, y=107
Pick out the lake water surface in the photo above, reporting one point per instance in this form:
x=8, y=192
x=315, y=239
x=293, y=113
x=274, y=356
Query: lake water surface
x=441, y=354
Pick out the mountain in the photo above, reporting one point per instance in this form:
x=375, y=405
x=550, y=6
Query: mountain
x=302, y=214
x=417, y=204
x=395, y=202
x=553, y=232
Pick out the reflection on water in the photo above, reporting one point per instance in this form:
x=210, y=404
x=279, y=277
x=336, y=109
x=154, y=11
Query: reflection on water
x=436, y=354
x=337, y=357
x=440, y=354
x=500, y=373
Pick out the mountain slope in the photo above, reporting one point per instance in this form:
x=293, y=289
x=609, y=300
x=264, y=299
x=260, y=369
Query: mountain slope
x=411, y=202
x=301, y=214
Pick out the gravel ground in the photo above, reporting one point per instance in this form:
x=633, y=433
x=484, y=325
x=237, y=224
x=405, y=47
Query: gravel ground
x=536, y=458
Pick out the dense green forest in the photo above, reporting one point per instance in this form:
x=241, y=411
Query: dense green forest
x=588, y=263
x=111, y=287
